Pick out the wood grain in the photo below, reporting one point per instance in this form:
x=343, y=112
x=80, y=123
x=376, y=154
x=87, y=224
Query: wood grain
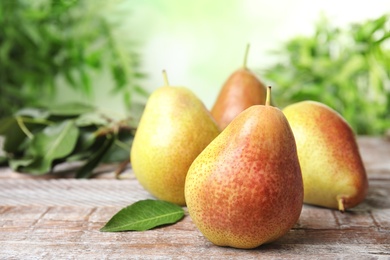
x=58, y=217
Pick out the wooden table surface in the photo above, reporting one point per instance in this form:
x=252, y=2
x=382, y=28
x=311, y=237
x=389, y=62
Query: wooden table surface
x=59, y=217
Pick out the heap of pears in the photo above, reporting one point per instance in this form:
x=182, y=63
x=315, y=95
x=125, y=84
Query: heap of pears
x=245, y=168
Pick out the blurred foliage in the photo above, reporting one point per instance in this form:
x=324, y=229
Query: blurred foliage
x=36, y=140
x=347, y=69
x=44, y=42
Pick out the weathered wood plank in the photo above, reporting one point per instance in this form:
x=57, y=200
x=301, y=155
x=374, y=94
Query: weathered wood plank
x=71, y=192
x=71, y=239
x=57, y=217
x=375, y=153
x=54, y=233
x=51, y=231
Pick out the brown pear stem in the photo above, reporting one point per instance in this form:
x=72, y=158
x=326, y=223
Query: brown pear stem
x=165, y=76
x=246, y=56
x=268, y=97
x=341, y=206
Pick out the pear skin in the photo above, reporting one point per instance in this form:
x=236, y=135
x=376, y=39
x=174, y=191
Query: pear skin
x=245, y=189
x=174, y=128
x=333, y=172
x=241, y=90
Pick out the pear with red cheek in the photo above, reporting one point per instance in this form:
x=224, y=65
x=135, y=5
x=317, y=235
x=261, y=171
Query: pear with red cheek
x=332, y=169
x=241, y=90
x=245, y=189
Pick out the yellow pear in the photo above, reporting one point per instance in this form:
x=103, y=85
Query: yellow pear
x=245, y=189
x=241, y=90
x=174, y=128
x=333, y=172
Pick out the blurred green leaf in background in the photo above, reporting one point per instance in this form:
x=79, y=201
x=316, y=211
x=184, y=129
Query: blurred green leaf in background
x=347, y=69
x=37, y=140
x=49, y=44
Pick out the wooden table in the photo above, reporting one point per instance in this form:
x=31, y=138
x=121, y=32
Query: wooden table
x=59, y=217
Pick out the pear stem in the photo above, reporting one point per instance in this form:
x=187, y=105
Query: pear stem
x=341, y=206
x=268, y=97
x=246, y=56
x=165, y=76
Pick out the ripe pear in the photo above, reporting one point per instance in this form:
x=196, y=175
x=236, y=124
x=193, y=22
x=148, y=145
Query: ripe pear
x=174, y=128
x=241, y=90
x=245, y=189
x=333, y=172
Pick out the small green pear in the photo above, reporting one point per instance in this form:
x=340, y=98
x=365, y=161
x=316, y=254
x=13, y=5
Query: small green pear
x=245, y=189
x=241, y=90
x=333, y=172
x=174, y=128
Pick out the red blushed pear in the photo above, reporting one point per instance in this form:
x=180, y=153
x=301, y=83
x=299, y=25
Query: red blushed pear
x=245, y=189
x=241, y=90
x=333, y=172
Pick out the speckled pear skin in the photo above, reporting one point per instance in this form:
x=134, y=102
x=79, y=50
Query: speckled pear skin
x=245, y=189
x=241, y=90
x=174, y=128
x=332, y=168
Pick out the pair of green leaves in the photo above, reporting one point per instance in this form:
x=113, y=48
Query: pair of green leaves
x=37, y=139
x=144, y=215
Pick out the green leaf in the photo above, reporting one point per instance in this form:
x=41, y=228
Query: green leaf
x=14, y=136
x=15, y=164
x=140, y=90
x=144, y=215
x=33, y=112
x=54, y=142
x=84, y=149
x=91, y=119
x=71, y=109
x=3, y=160
x=120, y=150
x=95, y=158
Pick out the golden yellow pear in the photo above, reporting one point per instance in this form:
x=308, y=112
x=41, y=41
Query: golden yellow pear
x=333, y=172
x=245, y=189
x=174, y=128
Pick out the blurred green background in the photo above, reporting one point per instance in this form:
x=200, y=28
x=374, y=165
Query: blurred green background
x=111, y=53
